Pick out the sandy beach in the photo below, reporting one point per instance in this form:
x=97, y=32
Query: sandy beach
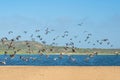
x=58, y=73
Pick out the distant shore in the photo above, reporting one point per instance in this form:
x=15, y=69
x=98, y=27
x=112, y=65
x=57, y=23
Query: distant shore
x=62, y=53
x=20, y=47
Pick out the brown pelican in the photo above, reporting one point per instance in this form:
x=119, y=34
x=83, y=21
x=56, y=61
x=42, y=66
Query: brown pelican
x=10, y=32
x=25, y=32
x=55, y=59
x=5, y=52
x=95, y=53
x=80, y=24
x=61, y=56
x=13, y=55
x=37, y=30
x=3, y=62
x=116, y=53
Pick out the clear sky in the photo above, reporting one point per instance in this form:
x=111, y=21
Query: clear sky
x=99, y=17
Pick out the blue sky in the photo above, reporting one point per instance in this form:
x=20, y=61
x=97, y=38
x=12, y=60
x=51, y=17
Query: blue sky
x=99, y=17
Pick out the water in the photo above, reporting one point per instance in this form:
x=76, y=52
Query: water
x=55, y=60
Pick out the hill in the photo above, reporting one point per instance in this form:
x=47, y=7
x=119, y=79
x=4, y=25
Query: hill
x=24, y=47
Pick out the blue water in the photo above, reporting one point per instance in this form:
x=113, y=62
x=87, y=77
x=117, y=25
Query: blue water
x=55, y=60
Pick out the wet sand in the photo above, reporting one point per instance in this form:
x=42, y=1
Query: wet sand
x=58, y=73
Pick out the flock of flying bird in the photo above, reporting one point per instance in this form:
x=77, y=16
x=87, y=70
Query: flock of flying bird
x=10, y=45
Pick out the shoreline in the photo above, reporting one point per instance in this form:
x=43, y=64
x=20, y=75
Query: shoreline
x=59, y=73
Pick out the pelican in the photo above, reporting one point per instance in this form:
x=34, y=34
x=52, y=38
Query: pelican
x=55, y=59
x=3, y=62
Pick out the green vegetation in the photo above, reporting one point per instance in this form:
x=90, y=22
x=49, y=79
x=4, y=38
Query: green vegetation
x=36, y=46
